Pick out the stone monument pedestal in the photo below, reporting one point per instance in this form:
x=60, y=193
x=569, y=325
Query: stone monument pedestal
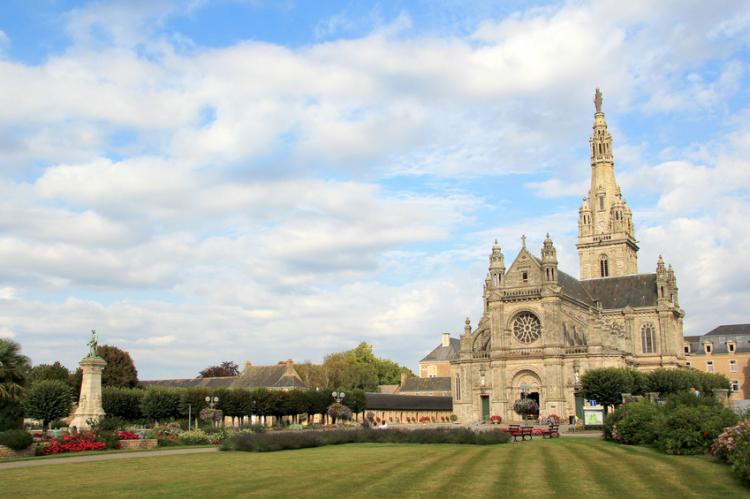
x=90, y=403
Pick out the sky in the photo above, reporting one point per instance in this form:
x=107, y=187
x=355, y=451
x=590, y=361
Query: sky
x=256, y=181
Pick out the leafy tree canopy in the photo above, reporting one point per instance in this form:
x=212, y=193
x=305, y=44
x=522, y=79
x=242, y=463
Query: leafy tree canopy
x=49, y=372
x=120, y=370
x=226, y=368
x=48, y=400
x=14, y=369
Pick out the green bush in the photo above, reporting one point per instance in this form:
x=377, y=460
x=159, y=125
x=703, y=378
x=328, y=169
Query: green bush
x=195, y=437
x=11, y=415
x=634, y=423
x=16, y=439
x=691, y=429
x=161, y=404
x=266, y=442
x=48, y=400
x=740, y=460
x=124, y=403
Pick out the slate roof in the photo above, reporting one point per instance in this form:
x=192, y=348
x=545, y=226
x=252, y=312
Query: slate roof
x=729, y=329
x=637, y=290
x=388, y=402
x=435, y=384
x=719, y=336
x=573, y=288
x=276, y=376
x=444, y=353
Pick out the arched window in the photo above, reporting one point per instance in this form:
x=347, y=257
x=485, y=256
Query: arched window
x=604, y=265
x=648, y=341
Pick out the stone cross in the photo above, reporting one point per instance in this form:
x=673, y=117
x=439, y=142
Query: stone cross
x=523, y=240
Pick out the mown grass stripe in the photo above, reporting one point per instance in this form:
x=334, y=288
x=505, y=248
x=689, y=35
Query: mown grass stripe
x=527, y=475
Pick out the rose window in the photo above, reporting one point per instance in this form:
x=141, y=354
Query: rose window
x=527, y=328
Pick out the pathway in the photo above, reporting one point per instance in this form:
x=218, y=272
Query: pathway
x=103, y=457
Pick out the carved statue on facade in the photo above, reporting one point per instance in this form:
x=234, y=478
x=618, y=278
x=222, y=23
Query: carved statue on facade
x=598, y=100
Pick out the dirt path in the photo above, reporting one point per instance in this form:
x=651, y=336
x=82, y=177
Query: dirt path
x=103, y=457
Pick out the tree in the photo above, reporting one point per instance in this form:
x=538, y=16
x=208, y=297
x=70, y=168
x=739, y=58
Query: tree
x=123, y=403
x=606, y=385
x=120, y=370
x=48, y=400
x=226, y=368
x=161, y=403
x=14, y=369
x=355, y=400
x=49, y=371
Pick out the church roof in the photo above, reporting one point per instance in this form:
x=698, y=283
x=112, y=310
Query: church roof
x=440, y=352
x=434, y=384
x=276, y=376
x=729, y=330
x=638, y=290
x=386, y=401
x=573, y=288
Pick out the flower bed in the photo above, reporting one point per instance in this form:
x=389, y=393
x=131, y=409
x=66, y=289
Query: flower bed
x=496, y=419
x=74, y=443
x=128, y=435
x=733, y=447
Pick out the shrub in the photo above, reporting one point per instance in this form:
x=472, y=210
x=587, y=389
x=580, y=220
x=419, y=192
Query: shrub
x=195, y=437
x=161, y=403
x=48, y=400
x=16, y=439
x=123, y=402
x=733, y=447
x=633, y=423
x=690, y=430
x=298, y=440
x=107, y=430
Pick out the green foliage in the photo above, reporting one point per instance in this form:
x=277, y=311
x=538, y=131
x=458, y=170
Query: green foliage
x=740, y=460
x=318, y=401
x=43, y=372
x=161, y=404
x=16, y=439
x=633, y=423
x=225, y=369
x=48, y=400
x=355, y=400
x=14, y=369
x=668, y=381
x=606, y=385
x=691, y=429
x=195, y=398
x=107, y=430
x=120, y=370
x=123, y=402
x=11, y=415
x=195, y=437
x=299, y=402
x=275, y=441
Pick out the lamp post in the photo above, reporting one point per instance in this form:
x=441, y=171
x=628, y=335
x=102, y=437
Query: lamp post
x=212, y=401
x=338, y=396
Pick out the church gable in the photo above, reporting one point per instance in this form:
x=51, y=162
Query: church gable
x=525, y=271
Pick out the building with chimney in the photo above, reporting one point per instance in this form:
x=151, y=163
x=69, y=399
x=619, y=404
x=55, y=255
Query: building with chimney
x=542, y=328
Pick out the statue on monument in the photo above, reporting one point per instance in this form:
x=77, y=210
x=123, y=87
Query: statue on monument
x=93, y=344
x=598, y=100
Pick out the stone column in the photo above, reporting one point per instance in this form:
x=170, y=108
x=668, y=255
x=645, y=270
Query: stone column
x=90, y=403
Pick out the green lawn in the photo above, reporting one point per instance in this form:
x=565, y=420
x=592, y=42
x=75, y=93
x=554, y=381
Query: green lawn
x=566, y=467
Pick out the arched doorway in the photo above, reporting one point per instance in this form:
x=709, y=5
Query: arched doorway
x=527, y=384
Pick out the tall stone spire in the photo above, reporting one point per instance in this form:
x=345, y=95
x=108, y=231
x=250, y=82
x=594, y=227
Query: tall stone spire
x=606, y=236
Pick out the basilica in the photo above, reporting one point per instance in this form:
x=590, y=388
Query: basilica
x=541, y=328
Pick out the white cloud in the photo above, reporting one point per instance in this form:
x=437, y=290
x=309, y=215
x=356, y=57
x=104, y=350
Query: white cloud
x=7, y=333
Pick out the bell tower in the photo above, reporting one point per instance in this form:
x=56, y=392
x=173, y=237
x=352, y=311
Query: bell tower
x=606, y=235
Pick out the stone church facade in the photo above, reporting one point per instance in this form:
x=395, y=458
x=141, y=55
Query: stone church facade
x=541, y=328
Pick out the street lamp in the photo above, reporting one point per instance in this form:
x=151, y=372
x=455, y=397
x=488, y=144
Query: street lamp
x=338, y=396
x=212, y=401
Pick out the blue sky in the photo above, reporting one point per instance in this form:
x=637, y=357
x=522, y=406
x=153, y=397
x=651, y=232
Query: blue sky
x=248, y=180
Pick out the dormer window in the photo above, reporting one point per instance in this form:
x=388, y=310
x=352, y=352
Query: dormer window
x=707, y=347
x=687, y=348
x=731, y=347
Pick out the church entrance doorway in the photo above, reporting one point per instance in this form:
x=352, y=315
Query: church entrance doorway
x=535, y=397
x=485, y=407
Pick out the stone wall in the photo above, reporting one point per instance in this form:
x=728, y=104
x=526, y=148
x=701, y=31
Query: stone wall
x=7, y=452
x=149, y=443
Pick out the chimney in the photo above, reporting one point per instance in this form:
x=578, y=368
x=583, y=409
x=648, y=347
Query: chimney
x=289, y=363
x=248, y=365
x=403, y=378
x=446, y=339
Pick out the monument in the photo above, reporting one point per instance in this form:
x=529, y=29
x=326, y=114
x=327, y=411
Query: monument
x=90, y=402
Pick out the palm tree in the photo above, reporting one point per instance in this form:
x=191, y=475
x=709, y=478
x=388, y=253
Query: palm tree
x=14, y=368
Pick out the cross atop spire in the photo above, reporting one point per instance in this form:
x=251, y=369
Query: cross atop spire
x=523, y=240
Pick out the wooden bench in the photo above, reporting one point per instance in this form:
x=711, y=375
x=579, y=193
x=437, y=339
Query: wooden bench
x=552, y=432
x=516, y=431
